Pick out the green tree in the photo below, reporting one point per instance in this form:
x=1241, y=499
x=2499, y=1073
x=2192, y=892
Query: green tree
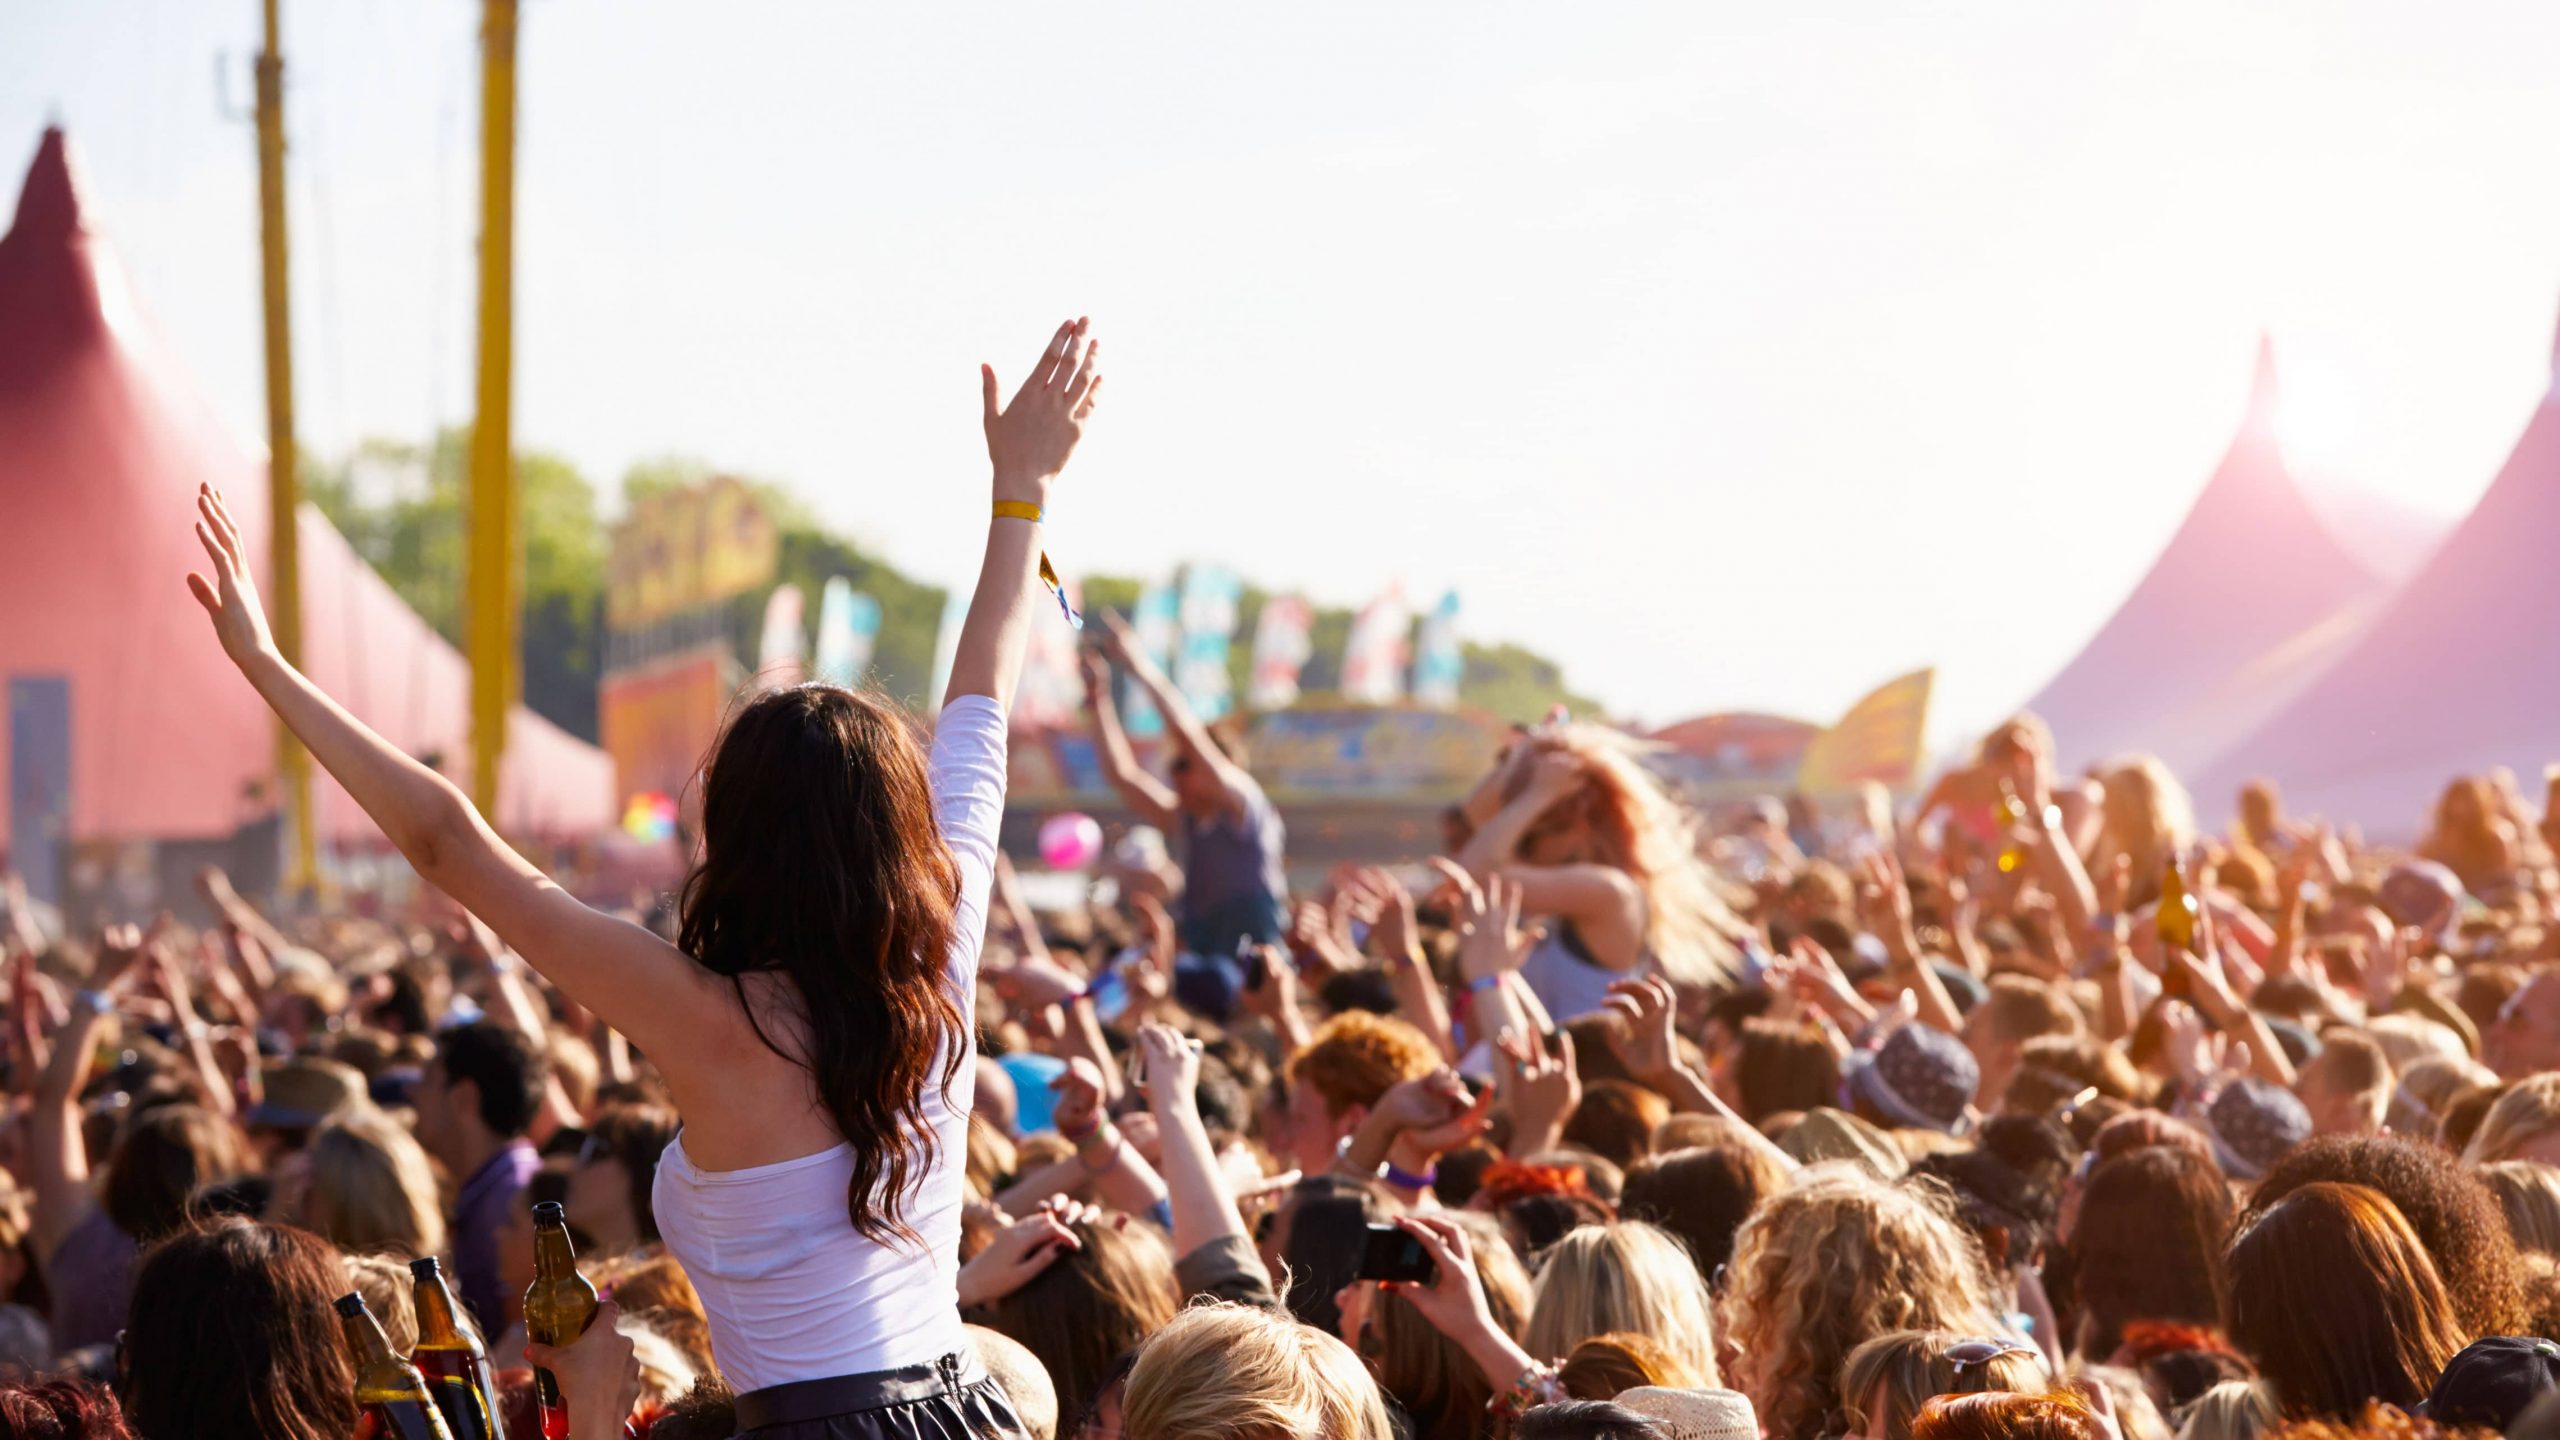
x=414, y=537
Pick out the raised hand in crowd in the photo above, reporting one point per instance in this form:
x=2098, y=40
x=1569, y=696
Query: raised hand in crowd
x=1540, y=1085
x=1023, y=1249
x=1454, y=1301
x=1416, y=1122
x=1273, y=993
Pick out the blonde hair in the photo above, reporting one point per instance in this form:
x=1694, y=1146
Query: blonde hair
x=1236, y=1372
x=1837, y=1260
x=2149, y=817
x=1901, y=1371
x=2528, y=1111
x=2530, y=1194
x=371, y=1187
x=991, y=1156
x=391, y=1295
x=1623, y=1276
x=2232, y=1410
x=1689, y=930
x=2407, y=1039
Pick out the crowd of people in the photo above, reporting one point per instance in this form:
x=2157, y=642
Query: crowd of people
x=2027, y=1110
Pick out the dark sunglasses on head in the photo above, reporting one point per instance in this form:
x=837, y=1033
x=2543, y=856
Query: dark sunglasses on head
x=1971, y=1360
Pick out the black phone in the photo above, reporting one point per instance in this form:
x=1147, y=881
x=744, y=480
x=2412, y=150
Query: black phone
x=1392, y=1252
x=1257, y=962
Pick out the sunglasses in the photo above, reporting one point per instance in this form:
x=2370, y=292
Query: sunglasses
x=1971, y=1361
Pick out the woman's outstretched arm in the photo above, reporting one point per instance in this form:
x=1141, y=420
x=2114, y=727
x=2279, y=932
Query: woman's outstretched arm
x=1028, y=442
x=641, y=985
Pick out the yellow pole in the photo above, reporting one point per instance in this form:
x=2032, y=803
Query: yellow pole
x=490, y=618
x=284, y=488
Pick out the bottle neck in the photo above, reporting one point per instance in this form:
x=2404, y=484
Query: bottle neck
x=365, y=1339
x=437, y=1328
x=380, y=1372
x=554, y=1258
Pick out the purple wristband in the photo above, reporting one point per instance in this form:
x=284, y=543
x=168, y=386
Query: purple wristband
x=1407, y=1180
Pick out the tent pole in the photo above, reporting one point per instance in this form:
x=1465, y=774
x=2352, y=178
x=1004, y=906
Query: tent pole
x=490, y=569
x=284, y=487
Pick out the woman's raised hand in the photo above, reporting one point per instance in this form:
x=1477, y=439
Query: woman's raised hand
x=1491, y=941
x=1172, y=1062
x=1030, y=439
x=1021, y=1250
x=231, y=596
x=1453, y=1300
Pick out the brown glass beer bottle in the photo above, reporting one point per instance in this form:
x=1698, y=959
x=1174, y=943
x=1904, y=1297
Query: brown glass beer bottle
x=2175, y=921
x=389, y=1390
x=558, y=1307
x=456, y=1367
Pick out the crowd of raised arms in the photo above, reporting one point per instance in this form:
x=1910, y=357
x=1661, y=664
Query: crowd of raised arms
x=2022, y=1110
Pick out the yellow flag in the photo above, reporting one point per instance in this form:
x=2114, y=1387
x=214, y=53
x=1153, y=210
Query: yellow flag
x=1879, y=740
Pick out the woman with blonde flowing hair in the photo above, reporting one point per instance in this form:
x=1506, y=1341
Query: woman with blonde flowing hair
x=2522, y=1124
x=2147, y=816
x=1830, y=1264
x=2530, y=1194
x=1626, y=1276
x=1247, y=1374
x=365, y=1186
x=1588, y=838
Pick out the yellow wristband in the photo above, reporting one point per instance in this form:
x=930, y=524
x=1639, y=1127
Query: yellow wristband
x=1025, y=510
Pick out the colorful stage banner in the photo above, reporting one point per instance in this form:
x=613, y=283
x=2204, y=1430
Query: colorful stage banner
x=1158, y=623
x=1373, y=658
x=1051, y=695
x=1280, y=650
x=848, y=627
x=782, y=646
x=682, y=549
x=658, y=721
x=1208, y=617
x=1438, y=664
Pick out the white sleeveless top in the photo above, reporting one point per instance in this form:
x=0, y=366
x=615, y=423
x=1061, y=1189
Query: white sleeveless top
x=791, y=1291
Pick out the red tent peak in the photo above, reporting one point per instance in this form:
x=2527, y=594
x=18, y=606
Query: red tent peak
x=49, y=202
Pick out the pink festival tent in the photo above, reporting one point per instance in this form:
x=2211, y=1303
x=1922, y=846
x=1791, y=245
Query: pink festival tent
x=103, y=441
x=2251, y=599
x=2459, y=674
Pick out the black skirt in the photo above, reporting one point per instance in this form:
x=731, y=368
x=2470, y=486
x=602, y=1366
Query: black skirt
x=950, y=1399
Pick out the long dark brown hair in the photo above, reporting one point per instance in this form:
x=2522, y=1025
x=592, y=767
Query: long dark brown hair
x=2148, y=1243
x=2330, y=1292
x=821, y=860
x=232, y=1335
x=164, y=1156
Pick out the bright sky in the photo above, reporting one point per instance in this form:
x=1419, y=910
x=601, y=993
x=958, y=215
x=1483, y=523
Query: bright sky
x=1740, y=356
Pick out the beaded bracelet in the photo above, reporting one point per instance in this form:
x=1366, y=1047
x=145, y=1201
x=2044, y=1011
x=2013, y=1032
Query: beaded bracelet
x=1538, y=1385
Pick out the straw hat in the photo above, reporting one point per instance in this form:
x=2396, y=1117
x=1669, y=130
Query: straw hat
x=1695, y=1414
